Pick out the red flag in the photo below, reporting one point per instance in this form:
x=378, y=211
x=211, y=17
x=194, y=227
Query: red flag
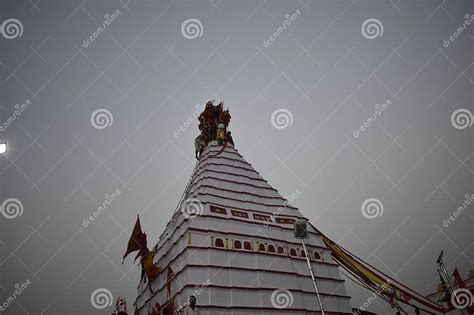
x=143, y=251
x=137, y=241
x=458, y=279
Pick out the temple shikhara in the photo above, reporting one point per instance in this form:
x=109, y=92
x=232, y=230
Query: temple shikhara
x=230, y=246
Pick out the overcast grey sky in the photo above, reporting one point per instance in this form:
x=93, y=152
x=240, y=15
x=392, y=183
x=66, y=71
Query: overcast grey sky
x=145, y=72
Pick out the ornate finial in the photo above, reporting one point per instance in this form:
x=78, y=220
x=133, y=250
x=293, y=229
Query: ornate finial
x=213, y=123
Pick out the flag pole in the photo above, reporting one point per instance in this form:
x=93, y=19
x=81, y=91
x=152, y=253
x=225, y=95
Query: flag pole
x=311, y=271
x=301, y=233
x=442, y=269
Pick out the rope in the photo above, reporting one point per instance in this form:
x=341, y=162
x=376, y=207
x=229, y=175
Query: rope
x=223, y=147
x=187, y=187
x=344, y=257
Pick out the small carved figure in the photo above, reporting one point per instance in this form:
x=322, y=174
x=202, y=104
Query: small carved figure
x=229, y=138
x=200, y=143
x=220, y=135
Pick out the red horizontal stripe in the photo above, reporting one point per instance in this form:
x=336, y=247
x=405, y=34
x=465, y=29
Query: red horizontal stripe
x=246, y=201
x=203, y=170
x=231, y=166
x=201, y=178
x=207, y=152
x=236, y=219
x=240, y=192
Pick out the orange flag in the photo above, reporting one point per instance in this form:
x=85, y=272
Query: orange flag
x=150, y=269
x=156, y=310
x=137, y=241
x=170, y=306
x=169, y=277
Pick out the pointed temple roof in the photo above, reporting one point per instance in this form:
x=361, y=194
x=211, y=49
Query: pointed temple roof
x=231, y=245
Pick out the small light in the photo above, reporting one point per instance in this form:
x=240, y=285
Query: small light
x=3, y=147
x=300, y=229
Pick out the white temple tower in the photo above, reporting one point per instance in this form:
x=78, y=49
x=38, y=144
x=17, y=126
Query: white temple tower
x=231, y=245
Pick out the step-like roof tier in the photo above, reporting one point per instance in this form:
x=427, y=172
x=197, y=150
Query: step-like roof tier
x=231, y=245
